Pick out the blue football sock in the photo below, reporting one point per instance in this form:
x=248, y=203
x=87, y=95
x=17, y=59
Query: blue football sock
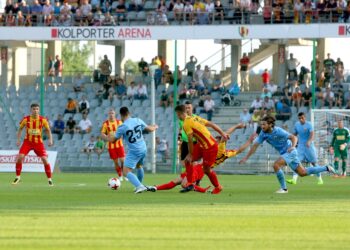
x=133, y=179
x=140, y=173
x=316, y=170
x=281, y=179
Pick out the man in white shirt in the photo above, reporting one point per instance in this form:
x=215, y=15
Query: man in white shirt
x=245, y=118
x=142, y=91
x=256, y=104
x=47, y=8
x=178, y=11
x=162, y=148
x=85, y=125
x=209, y=105
x=292, y=64
x=131, y=92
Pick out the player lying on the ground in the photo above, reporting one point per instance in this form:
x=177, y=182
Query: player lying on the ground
x=284, y=143
x=198, y=174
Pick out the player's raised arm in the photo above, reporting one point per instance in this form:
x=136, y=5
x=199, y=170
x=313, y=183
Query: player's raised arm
x=217, y=129
x=251, y=151
x=234, y=128
x=245, y=145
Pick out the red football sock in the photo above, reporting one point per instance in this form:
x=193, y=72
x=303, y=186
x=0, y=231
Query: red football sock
x=213, y=178
x=166, y=186
x=119, y=171
x=48, y=170
x=200, y=189
x=189, y=173
x=18, y=169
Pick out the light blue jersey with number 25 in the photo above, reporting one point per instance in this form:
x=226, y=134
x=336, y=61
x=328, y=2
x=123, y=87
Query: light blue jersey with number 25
x=131, y=131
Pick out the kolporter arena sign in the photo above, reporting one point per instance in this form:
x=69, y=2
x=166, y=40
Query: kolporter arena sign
x=280, y=31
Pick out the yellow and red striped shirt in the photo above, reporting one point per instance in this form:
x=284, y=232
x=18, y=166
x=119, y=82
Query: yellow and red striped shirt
x=34, y=128
x=223, y=154
x=195, y=125
x=108, y=128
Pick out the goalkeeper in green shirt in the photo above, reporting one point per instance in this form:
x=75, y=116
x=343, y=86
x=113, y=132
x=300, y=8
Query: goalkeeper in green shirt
x=340, y=146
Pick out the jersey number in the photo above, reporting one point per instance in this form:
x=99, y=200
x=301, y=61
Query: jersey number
x=135, y=134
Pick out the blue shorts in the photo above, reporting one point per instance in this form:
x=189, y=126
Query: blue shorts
x=307, y=154
x=292, y=159
x=133, y=159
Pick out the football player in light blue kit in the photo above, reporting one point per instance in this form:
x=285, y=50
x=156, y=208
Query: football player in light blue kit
x=284, y=143
x=306, y=149
x=131, y=130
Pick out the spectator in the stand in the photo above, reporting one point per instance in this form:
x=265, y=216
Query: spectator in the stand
x=209, y=106
x=209, y=9
x=297, y=97
x=328, y=98
x=268, y=103
x=143, y=67
x=136, y=5
x=226, y=98
x=89, y=146
x=120, y=11
x=305, y=76
x=167, y=76
x=141, y=91
x=245, y=118
x=298, y=11
x=58, y=127
x=36, y=11
x=320, y=7
x=171, y=5
x=84, y=105
x=278, y=93
x=265, y=93
x=256, y=104
x=50, y=66
x=71, y=126
x=328, y=64
x=265, y=76
x=58, y=66
x=183, y=91
x=100, y=94
x=131, y=92
x=267, y=11
x=285, y=112
x=308, y=10
x=246, y=8
x=218, y=85
x=244, y=71
x=198, y=76
x=108, y=19
x=287, y=95
x=188, y=12
x=339, y=71
x=85, y=125
x=317, y=66
x=162, y=148
x=164, y=99
x=99, y=146
x=219, y=10
x=339, y=98
x=105, y=68
x=78, y=83
x=347, y=12
x=65, y=8
x=256, y=119
x=292, y=64
x=306, y=98
x=24, y=8
x=71, y=106
x=120, y=89
x=207, y=76
x=332, y=11
x=288, y=12
x=47, y=8
x=178, y=11
x=191, y=66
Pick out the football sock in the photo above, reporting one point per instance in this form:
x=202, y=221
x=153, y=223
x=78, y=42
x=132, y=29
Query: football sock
x=281, y=179
x=316, y=170
x=295, y=176
x=213, y=178
x=189, y=172
x=336, y=166
x=343, y=166
x=200, y=189
x=319, y=175
x=48, y=170
x=119, y=171
x=18, y=169
x=133, y=179
x=166, y=186
x=140, y=173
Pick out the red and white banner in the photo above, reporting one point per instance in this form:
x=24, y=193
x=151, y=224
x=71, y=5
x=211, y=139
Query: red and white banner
x=31, y=163
x=271, y=31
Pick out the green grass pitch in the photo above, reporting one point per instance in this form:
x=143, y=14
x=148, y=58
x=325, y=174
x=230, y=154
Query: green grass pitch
x=80, y=212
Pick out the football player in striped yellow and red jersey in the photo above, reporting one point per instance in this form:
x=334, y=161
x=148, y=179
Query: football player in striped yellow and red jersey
x=196, y=127
x=34, y=125
x=115, y=149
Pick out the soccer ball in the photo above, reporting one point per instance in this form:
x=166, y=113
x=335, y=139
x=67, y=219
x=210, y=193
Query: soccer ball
x=114, y=183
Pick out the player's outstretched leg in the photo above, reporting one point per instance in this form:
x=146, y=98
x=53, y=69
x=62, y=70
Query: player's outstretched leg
x=140, y=173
